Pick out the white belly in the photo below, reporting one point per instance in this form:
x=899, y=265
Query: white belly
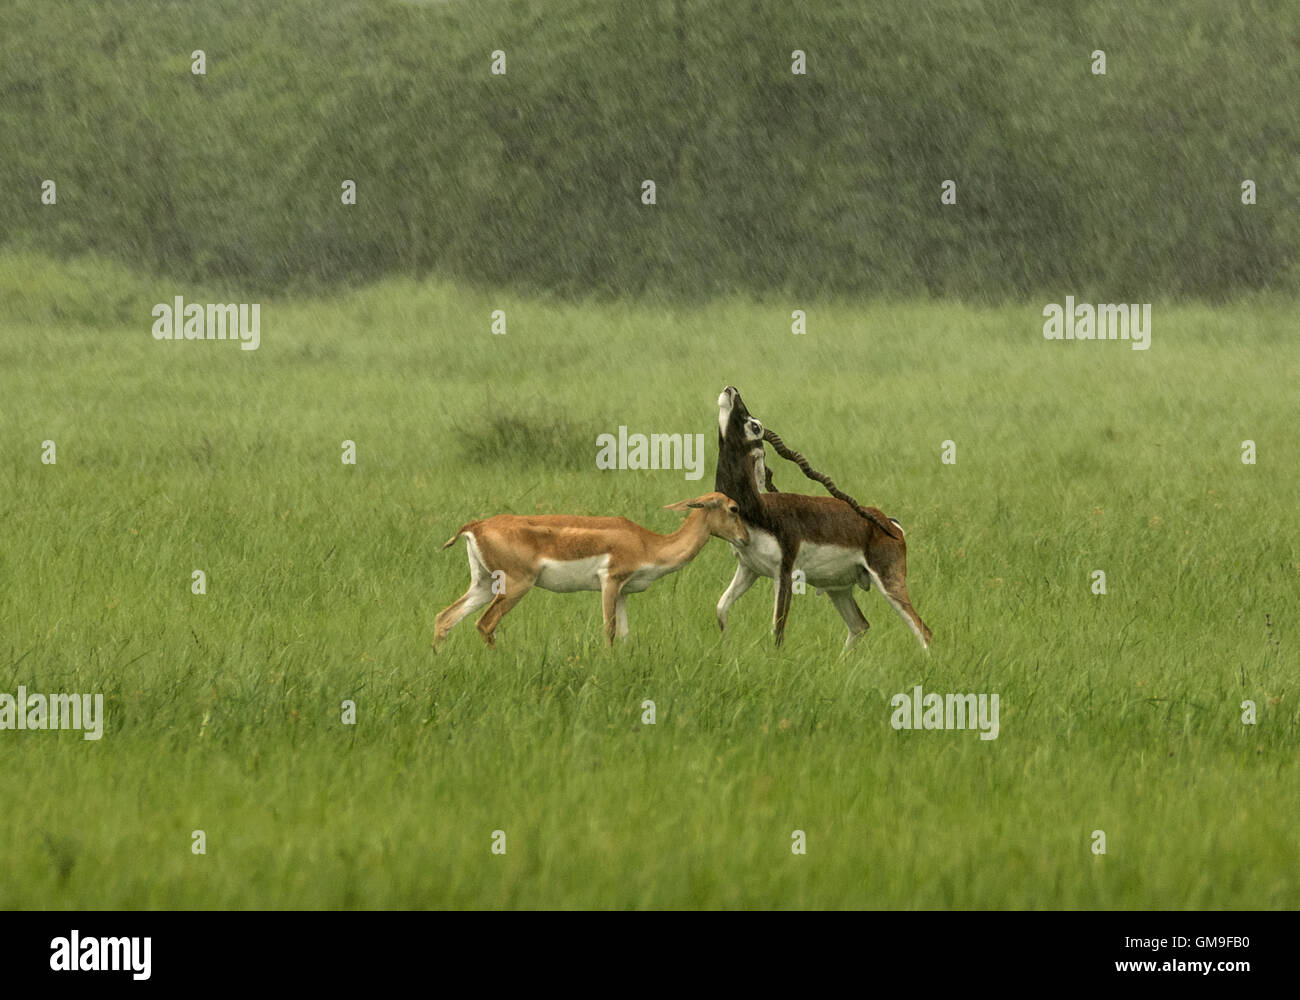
x=588, y=574
x=572, y=575
x=828, y=566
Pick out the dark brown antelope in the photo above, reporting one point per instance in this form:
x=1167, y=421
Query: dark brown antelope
x=510, y=554
x=827, y=539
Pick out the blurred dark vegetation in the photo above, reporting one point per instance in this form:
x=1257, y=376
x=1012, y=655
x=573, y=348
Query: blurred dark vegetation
x=1120, y=187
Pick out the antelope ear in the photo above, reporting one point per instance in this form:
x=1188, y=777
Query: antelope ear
x=696, y=502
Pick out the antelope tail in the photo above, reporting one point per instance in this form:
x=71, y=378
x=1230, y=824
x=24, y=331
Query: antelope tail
x=452, y=540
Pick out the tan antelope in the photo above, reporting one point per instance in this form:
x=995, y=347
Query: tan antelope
x=835, y=547
x=509, y=554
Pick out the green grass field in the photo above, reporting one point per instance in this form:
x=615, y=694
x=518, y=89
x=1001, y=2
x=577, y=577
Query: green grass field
x=1119, y=713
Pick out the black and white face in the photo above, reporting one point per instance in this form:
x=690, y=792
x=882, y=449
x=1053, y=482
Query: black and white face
x=736, y=427
x=727, y=400
x=734, y=421
x=740, y=451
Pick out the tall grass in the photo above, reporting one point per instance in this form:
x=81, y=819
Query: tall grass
x=1119, y=713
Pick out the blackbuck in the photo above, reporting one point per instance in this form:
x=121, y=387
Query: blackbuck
x=827, y=539
x=509, y=554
